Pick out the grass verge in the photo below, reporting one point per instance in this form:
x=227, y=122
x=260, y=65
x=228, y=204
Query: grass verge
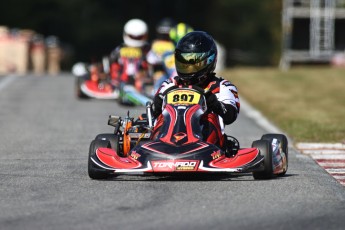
x=306, y=102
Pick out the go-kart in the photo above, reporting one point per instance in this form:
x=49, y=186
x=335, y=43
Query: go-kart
x=179, y=146
x=86, y=87
x=130, y=95
x=93, y=82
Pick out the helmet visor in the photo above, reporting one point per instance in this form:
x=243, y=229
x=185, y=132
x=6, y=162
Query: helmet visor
x=188, y=63
x=138, y=37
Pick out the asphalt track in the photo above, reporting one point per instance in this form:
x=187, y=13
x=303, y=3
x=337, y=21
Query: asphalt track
x=44, y=139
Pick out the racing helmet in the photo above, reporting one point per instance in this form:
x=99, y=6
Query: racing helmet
x=135, y=33
x=178, y=31
x=195, y=58
x=163, y=28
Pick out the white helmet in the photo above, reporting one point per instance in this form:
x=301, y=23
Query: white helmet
x=79, y=69
x=135, y=33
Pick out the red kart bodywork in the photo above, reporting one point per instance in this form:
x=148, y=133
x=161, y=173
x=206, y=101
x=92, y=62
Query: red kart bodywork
x=99, y=90
x=220, y=163
x=179, y=146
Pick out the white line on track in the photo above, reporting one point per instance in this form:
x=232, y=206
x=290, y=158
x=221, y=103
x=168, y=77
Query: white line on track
x=337, y=146
x=340, y=177
x=342, y=171
x=331, y=165
x=4, y=82
x=323, y=151
x=328, y=157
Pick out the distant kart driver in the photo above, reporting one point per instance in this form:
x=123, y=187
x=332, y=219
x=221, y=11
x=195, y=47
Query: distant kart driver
x=195, y=60
x=128, y=63
x=165, y=60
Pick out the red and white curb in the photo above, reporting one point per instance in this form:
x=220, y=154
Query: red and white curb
x=328, y=155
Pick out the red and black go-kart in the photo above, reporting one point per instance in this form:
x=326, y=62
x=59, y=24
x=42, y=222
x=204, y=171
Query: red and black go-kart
x=95, y=84
x=179, y=147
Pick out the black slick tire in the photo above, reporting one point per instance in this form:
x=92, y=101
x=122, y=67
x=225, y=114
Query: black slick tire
x=79, y=94
x=265, y=149
x=96, y=172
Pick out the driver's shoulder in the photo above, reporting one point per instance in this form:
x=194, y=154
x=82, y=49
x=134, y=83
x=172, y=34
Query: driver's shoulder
x=167, y=84
x=224, y=82
x=216, y=82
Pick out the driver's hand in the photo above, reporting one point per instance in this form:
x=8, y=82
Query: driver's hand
x=211, y=100
x=157, y=105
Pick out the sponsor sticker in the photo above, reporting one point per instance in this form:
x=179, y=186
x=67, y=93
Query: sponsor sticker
x=216, y=154
x=135, y=155
x=177, y=165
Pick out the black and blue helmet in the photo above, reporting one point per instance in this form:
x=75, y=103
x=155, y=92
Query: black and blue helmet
x=195, y=58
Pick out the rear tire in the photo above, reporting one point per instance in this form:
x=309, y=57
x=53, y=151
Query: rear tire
x=95, y=172
x=284, y=145
x=265, y=149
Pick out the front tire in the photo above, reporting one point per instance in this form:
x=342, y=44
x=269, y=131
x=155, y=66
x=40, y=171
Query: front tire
x=78, y=92
x=95, y=172
x=265, y=149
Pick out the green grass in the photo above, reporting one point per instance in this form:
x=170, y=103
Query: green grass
x=306, y=102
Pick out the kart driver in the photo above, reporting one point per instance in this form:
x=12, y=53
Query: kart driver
x=128, y=61
x=162, y=58
x=159, y=46
x=195, y=60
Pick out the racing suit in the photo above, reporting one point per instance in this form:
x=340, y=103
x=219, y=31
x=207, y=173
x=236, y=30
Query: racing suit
x=128, y=65
x=223, y=108
x=161, y=60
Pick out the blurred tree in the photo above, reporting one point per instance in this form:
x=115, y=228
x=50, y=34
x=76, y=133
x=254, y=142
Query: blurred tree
x=249, y=29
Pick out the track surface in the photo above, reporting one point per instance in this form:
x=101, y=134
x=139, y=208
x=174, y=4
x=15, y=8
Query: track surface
x=44, y=139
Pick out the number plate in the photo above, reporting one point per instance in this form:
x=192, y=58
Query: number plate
x=183, y=97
